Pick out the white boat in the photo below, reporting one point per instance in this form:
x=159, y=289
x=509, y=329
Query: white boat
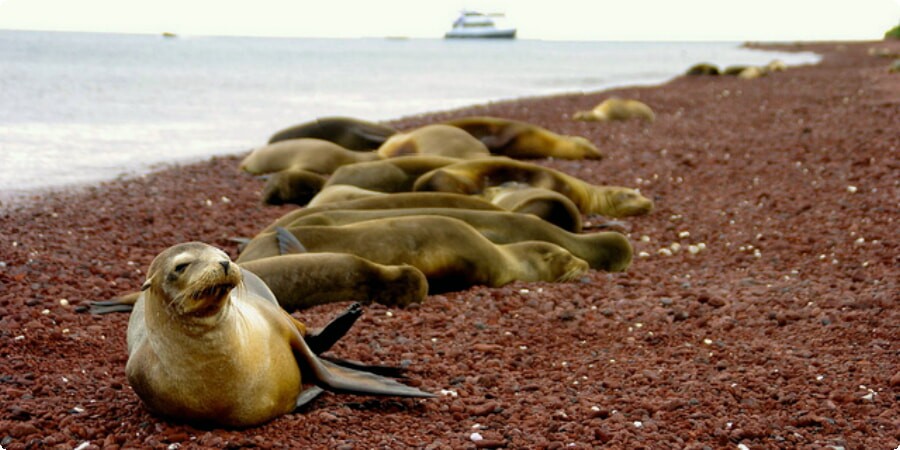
x=472, y=24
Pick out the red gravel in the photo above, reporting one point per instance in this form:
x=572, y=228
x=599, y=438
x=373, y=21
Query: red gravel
x=791, y=347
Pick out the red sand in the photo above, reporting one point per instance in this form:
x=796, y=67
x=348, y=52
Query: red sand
x=781, y=334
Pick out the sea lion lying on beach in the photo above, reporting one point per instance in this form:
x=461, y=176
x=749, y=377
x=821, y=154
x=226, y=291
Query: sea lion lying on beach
x=702, y=69
x=452, y=255
x=549, y=205
x=473, y=177
x=435, y=140
x=615, y=109
x=608, y=251
x=389, y=175
x=353, y=134
x=313, y=155
x=209, y=344
x=291, y=186
x=516, y=139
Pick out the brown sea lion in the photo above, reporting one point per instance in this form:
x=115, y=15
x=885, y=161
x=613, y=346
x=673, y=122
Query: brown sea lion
x=208, y=343
x=398, y=201
x=752, y=73
x=617, y=109
x=313, y=155
x=451, y=254
x=776, y=65
x=735, y=70
x=435, y=140
x=353, y=134
x=608, y=251
x=292, y=186
x=473, y=177
x=544, y=203
x=389, y=175
x=304, y=280
x=703, y=69
x=341, y=193
x=523, y=140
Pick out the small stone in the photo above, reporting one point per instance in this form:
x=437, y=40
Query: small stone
x=851, y=189
x=475, y=437
x=63, y=302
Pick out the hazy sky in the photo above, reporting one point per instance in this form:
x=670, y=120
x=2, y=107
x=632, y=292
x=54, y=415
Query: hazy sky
x=556, y=19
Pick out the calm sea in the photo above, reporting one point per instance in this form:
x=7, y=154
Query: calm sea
x=81, y=107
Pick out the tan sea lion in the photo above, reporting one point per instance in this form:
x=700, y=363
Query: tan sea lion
x=313, y=155
x=608, y=251
x=389, y=175
x=735, y=70
x=435, y=140
x=523, y=140
x=208, y=343
x=776, y=65
x=451, y=254
x=473, y=177
x=616, y=109
x=703, y=69
x=353, y=134
x=751, y=73
x=302, y=280
x=341, y=193
x=292, y=186
x=549, y=205
x=395, y=201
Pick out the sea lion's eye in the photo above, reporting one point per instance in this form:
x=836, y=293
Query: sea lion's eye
x=180, y=268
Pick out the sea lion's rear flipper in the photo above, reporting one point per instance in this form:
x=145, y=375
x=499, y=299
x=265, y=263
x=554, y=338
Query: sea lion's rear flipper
x=122, y=303
x=309, y=394
x=321, y=341
x=385, y=371
x=288, y=244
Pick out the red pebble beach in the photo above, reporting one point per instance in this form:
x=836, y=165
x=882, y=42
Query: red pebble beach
x=782, y=332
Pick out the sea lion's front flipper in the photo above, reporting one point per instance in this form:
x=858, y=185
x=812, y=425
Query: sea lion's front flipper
x=288, y=244
x=122, y=303
x=321, y=341
x=336, y=378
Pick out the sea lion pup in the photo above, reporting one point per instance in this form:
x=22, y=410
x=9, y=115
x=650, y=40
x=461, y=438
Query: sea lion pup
x=314, y=155
x=292, y=186
x=451, y=254
x=550, y=206
x=353, y=134
x=776, y=65
x=752, y=72
x=436, y=140
x=613, y=109
x=341, y=193
x=473, y=177
x=398, y=201
x=524, y=140
x=608, y=251
x=702, y=69
x=389, y=175
x=302, y=280
x=208, y=343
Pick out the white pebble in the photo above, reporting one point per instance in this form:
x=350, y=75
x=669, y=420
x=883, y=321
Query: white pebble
x=65, y=331
x=475, y=437
x=19, y=338
x=851, y=189
x=870, y=396
x=743, y=447
x=209, y=202
x=675, y=247
x=693, y=249
x=638, y=424
x=645, y=238
x=524, y=291
x=63, y=302
x=45, y=312
x=78, y=409
x=820, y=377
x=523, y=347
x=708, y=341
x=83, y=445
x=701, y=246
x=449, y=392
x=226, y=199
x=643, y=255
x=860, y=241
x=595, y=408
x=684, y=234
x=389, y=314
x=664, y=252
x=433, y=339
x=476, y=426
x=756, y=253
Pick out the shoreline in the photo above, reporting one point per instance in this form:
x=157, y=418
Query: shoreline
x=781, y=334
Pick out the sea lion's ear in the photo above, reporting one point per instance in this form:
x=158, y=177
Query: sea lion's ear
x=147, y=284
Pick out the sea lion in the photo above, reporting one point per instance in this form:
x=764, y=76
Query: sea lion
x=524, y=140
x=437, y=140
x=314, y=155
x=544, y=203
x=608, y=251
x=292, y=186
x=702, y=69
x=751, y=73
x=389, y=175
x=776, y=65
x=397, y=201
x=301, y=281
x=341, y=193
x=208, y=343
x=451, y=254
x=473, y=177
x=353, y=134
x=615, y=109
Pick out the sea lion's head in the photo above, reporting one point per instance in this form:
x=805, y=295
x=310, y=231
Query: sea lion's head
x=549, y=261
x=580, y=147
x=623, y=202
x=192, y=279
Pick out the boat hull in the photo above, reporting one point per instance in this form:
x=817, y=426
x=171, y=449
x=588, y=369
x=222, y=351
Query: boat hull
x=481, y=34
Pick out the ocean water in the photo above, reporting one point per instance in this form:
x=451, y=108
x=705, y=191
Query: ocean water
x=77, y=108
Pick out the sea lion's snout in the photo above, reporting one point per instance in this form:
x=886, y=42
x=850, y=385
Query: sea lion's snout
x=225, y=265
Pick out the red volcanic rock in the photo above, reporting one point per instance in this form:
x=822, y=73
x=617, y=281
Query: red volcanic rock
x=779, y=331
